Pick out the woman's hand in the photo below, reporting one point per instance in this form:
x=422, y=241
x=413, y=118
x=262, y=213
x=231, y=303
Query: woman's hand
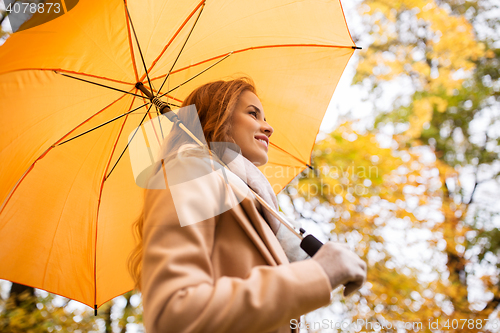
x=342, y=266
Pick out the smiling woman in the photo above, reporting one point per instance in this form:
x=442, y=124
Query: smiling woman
x=228, y=270
x=250, y=131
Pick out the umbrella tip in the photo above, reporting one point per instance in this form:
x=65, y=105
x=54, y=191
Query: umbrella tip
x=95, y=309
x=356, y=47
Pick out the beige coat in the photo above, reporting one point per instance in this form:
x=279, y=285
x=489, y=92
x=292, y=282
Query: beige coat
x=227, y=273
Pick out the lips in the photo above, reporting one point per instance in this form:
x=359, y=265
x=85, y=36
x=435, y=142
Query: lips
x=263, y=138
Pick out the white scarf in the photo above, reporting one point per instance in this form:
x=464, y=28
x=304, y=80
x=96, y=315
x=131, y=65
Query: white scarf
x=256, y=180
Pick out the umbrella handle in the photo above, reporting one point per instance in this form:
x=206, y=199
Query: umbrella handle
x=310, y=245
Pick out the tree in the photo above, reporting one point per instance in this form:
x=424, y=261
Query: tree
x=444, y=54
x=382, y=198
x=410, y=193
x=32, y=310
x=28, y=312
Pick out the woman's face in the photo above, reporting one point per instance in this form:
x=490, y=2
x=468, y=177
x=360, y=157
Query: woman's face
x=249, y=124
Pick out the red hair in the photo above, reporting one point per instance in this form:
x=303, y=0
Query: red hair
x=215, y=103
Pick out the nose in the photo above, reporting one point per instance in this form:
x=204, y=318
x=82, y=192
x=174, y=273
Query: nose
x=266, y=128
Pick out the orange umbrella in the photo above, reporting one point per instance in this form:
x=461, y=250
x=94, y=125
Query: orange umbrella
x=69, y=200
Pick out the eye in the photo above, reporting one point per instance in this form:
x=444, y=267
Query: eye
x=254, y=113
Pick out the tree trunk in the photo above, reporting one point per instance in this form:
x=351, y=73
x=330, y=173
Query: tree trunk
x=18, y=291
x=107, y=318
x=126, y=313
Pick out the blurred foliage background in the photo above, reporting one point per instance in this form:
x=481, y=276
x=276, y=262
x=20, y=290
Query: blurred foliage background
x=413, y=187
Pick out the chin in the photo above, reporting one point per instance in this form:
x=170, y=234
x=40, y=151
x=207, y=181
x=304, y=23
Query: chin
x=258, y=158
x=260, y=162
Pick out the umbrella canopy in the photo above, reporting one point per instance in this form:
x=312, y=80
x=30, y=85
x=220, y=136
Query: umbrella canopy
x=68, y=206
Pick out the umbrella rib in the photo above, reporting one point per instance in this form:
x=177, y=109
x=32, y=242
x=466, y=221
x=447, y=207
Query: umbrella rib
x=59, y=70
x=105, y=123
x=138, y=45
x=98, y=84
x=99, y=204
x=159, y=123
x=202, y=2
x=131, y=48
x=25, y=174
x=203, y=71
x=256, y=48
x=182, y=49
x=126, y=147
x=286, y=152
x=173, y=98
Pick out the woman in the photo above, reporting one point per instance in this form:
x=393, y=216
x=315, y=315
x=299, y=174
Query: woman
x=226, y=271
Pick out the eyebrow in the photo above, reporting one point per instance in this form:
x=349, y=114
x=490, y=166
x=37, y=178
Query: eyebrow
x=258, y=110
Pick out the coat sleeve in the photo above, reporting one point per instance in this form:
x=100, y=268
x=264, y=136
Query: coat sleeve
x=180, y=293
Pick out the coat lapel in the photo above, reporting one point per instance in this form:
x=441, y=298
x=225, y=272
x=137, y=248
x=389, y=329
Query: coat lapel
x=259, y=231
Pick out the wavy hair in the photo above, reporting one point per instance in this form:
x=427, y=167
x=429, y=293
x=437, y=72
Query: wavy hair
x=215, y=103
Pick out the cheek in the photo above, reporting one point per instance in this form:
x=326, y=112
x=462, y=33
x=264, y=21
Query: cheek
x=239, y=136
x=242, y=130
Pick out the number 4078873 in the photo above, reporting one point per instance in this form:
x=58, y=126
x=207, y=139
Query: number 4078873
x=30, y=7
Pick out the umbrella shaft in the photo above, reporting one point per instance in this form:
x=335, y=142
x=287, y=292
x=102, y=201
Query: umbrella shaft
x=164, y=109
